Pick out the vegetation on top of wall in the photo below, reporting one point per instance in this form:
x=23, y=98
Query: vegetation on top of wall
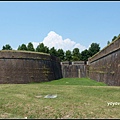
x=114, y=38
x=23, y=51
x=74, y=55
x=106, y=47
x=67, y=55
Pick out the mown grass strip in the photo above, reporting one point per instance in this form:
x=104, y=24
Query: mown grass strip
x=72, y=101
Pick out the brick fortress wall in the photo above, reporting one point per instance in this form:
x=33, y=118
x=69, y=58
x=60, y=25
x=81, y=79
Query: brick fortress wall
x=105, y=65
x=76, y=69
x=25, y=67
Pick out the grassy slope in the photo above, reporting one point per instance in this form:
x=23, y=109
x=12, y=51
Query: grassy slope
x=73, y=101
x=75, y=81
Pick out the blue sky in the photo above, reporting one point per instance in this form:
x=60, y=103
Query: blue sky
x=63, y=25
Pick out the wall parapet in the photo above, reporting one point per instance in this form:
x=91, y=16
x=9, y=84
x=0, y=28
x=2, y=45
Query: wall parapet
x=12, y=54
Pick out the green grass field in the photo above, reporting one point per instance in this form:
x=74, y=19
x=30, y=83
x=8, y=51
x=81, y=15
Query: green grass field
x=75, y=81
x=76, y=98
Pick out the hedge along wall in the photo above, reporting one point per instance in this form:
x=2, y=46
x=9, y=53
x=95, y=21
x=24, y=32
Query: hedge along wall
x=105, y=65
x=26, y=67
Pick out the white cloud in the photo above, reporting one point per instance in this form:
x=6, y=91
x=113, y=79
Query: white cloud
x=55, y=40
x=35, y=44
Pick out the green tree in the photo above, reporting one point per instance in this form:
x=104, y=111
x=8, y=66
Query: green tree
x=85, y=55
x=19, y=47
x=108, y=42
x=46, y=49
x=22, y=47
x=60, y=54
x=40, y=48
x=93, y=49
x=30, y=47
x=7, y=47
x=118, y=35
x=68, y=55
x=114, y=38
x=76, y=54
x=53, y=51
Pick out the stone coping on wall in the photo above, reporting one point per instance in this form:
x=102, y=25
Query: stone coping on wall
x=66, y=63
x=78, y=62
x=18, y=54
x=112, y=47
x=73, y=63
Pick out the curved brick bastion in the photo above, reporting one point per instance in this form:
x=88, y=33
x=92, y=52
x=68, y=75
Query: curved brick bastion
x=26, y=67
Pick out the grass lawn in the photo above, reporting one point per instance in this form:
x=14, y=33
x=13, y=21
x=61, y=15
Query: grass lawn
x=76, y=98
x=75, y=81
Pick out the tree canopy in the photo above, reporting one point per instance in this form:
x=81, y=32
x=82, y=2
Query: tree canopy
x=7, y=47
x=22, y=47
x=30, y=47
x=60, y=54
x=114, y=38
x=67, y=55
x=53, y=51
x=76, y=54
x=93, y=49
x=85, y=55
x=42, y=48
x=108, y=42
